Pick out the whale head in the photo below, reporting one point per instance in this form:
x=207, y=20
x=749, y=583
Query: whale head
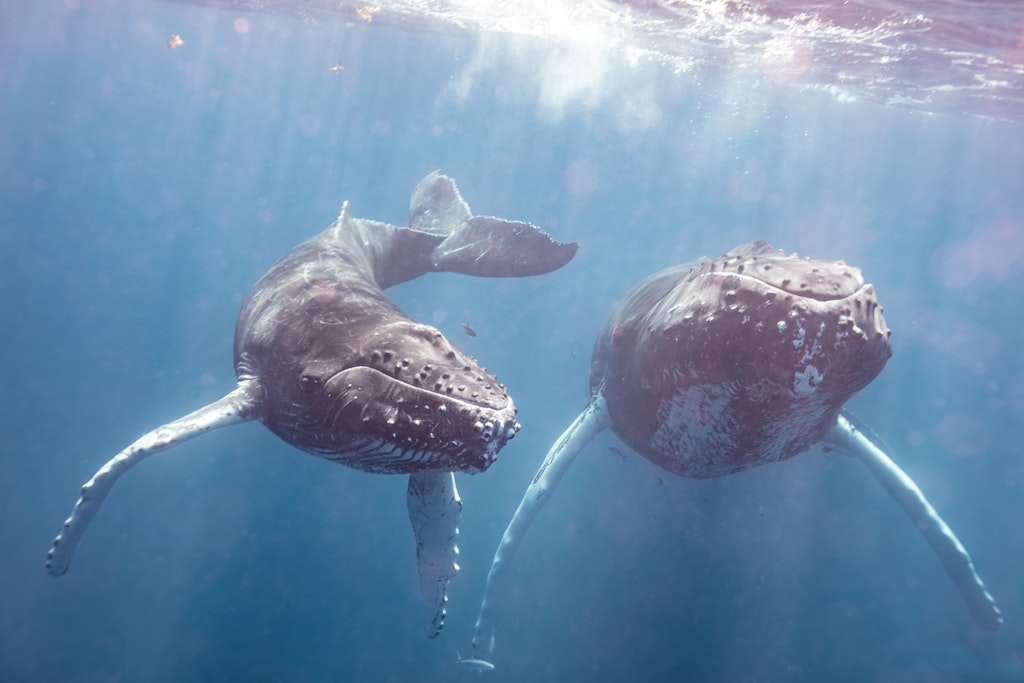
x=739, y=361
x=390, y=397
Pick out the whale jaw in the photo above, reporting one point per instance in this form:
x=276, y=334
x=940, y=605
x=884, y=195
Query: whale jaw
x=407, y=401
x=367, y=420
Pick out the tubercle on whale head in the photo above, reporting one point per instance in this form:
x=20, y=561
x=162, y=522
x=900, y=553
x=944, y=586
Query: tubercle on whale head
x=406, y=400
x=751, y=355
x=422, y=356
x=728, y=327
x=806, y=307
x=418, y=429
x=804, y=277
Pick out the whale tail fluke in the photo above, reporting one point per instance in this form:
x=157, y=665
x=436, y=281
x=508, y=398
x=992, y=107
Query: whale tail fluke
x=436, y=207
x=482, y=246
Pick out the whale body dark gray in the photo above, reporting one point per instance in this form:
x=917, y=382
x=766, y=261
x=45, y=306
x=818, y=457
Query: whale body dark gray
x=328, y=363
x=732, y=363
x=343, y=373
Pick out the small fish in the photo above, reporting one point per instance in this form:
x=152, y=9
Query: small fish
x=175, y=42
x=467, y=328
x=617, y=452
x=337, y=67
x=473, y=664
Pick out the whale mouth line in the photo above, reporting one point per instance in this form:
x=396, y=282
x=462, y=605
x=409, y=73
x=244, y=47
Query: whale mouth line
x=367, y=419
x=804, y=290
x=459, y=394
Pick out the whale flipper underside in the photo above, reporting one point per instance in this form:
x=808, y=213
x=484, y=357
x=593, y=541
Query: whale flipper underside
x=563, y=452
x=853, y=439
x=241, y=405
x=434, y=511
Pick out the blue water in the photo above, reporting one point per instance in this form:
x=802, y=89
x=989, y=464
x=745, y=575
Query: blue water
x=144, y=189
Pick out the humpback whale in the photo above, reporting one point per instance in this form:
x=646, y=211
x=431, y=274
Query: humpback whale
x=330, y=365
x=733, y=363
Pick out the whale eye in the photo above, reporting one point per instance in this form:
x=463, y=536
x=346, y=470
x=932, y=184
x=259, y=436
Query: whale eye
x=309, y=383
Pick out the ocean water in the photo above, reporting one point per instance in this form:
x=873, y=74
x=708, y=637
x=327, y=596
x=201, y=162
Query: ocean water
x=144, y=189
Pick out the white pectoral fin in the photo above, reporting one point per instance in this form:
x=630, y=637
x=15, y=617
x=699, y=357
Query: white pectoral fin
x=435, y=510
x=241, y=405
x=583, y=429
x=847, y=437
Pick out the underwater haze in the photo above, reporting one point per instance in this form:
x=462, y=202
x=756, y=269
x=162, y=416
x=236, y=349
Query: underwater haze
x=156, y=158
